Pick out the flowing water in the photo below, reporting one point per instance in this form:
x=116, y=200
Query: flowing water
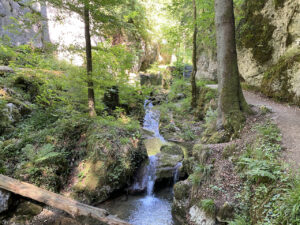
x=149, y=208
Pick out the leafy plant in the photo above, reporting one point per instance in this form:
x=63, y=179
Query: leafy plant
x=209, y=207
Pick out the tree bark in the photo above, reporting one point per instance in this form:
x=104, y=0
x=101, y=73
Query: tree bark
x=231, y=103
x=89, y=61
x=75, y=209
x=194, y=72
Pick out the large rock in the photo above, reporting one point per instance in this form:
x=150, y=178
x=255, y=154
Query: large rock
x=199, y=217
x=5, y=200
x=15, y=9
x=181, y=200
x=169, y=162
x=206, y=66
x=5, y=69
x=261, y=59
x=151, y=79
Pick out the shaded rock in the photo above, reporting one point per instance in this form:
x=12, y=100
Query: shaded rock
x=172, y=150
x=187, y=71
x=140, y=183
x=199, y=217
x=5, y=200
x=180, y=96
x=66, y=221
x=5, y=70
x=29, y=209
x=207, y=65
x=181, y=200
x=168, y=160
x=151, y=79
x=225, y=213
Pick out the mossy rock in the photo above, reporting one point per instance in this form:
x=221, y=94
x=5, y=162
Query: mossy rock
x=255, y=31
x=225, y=213
x=276, y=82
x=206, y=100
x=216, y=137
x=172, y=150
x=188, y=165
x=28, y=209
x=182, y=190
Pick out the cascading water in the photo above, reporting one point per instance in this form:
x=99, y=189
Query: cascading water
x=151, y=170
x=151, y=120
x=150, y=208
x=176, y=172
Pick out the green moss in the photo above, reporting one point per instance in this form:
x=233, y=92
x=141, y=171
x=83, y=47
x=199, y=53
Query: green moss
x=206, y=95
x=208, y=206
x=276, y=81
x=255, y=31
x=279, y=3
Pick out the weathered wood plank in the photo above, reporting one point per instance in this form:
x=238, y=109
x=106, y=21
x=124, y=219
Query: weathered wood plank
x=72, y=207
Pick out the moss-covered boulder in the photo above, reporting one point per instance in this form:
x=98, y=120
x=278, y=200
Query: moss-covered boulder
x=111, y=162
x=225, y=212
x=181, y=200
x=168, y=161
x=172, y=150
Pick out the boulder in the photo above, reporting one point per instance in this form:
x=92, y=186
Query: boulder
x=181, y=200
x=169, y=162
x=151, y=79
x=225, y=213
x=5, y=70
x=5, y=200
x=28, y=209
x=199, y=217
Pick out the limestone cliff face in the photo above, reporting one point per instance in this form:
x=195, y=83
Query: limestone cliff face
x=269, y=47
x=206, y=66
x=11, y=13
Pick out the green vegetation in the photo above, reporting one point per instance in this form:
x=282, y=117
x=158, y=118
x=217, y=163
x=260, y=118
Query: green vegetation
x=208, y=205
x=269, y=195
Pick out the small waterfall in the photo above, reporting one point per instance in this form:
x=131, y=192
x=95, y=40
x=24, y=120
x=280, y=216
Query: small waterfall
x=151, y=120
x=151, y=170
x=176, y=172
x=145, y=179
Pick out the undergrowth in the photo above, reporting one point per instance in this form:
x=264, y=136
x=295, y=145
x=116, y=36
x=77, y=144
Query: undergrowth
x=271, y=194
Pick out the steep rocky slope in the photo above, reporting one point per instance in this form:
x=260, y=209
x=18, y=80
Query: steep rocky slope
x=268, y=39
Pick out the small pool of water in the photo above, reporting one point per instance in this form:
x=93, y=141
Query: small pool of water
x=143, y=209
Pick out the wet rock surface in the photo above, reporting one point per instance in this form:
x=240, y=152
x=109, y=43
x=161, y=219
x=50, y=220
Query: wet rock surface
x=5, y=200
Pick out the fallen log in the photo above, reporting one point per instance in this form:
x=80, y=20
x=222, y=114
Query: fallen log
x=70, y=206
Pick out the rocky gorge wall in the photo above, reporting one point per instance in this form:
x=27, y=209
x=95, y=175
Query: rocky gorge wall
x=269, y=47
x=57, y=27
x=268, y=41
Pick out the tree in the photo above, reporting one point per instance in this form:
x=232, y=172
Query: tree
x=194, y=72
x=232, y=104
x=96, y=14
x=89, y=60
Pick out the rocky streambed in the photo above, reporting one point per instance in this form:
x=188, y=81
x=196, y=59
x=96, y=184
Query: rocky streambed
x=150, y=197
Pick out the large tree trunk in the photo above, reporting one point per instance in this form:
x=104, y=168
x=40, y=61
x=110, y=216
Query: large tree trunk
x=76, y=209
x=89, y=62
x=231, y=103
x=194, y=72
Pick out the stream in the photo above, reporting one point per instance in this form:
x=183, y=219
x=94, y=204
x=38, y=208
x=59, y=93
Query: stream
x=149, y=207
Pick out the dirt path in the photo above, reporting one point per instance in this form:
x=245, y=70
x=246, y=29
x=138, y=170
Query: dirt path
x=288, y=120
